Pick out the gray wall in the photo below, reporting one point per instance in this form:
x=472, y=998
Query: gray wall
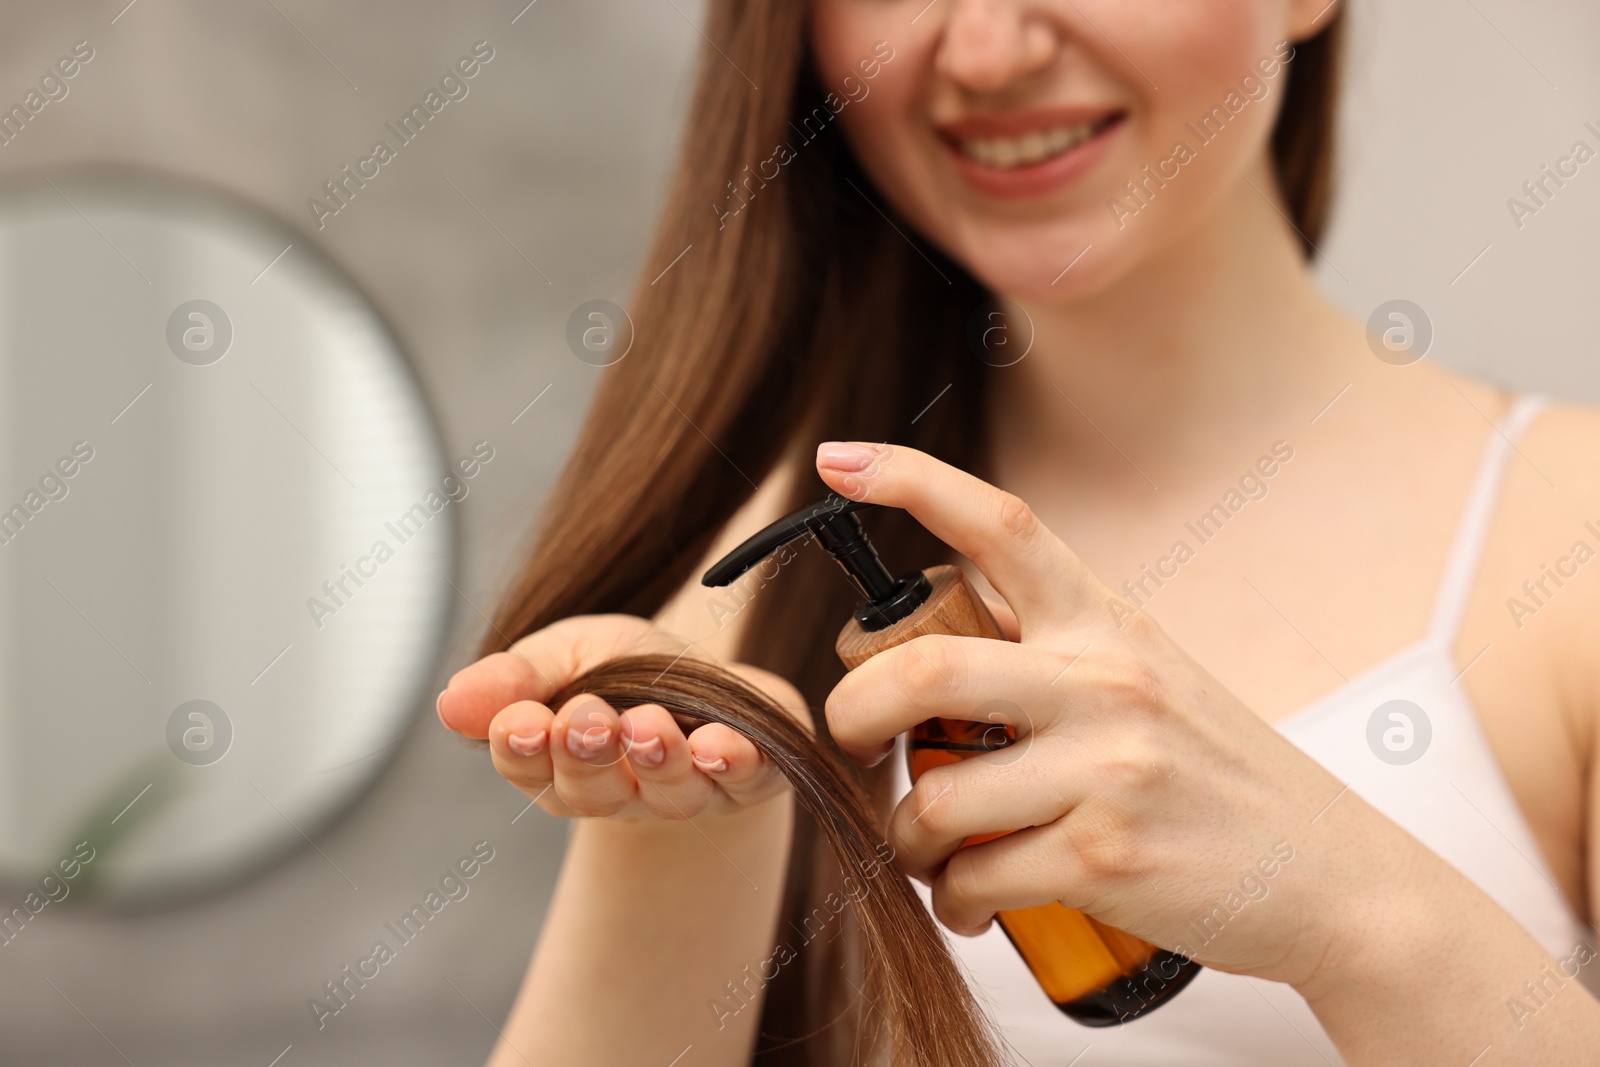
x=562, y=144
x=1452, y=106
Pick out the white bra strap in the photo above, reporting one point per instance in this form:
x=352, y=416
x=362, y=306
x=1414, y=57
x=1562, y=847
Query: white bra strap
x=1462, y=567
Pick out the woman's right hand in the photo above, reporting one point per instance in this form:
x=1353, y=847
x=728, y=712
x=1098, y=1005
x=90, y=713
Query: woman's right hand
x=587, y=759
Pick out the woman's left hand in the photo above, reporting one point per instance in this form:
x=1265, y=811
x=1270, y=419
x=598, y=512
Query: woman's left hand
x=1140, y=790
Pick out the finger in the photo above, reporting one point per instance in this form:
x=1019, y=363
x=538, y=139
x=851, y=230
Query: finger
x=1036, y=573
x=669, y=784
x=991, y=794
x=536, y=667
x=974, y=679
x=476, y=694
x=734, y=763
x=592, y=776
x=519, y=745
x=1070, y=861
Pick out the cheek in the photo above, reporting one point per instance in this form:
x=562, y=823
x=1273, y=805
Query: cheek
x=846, y=33
x=864, y=55
x=1199, y=54
x=884, y=127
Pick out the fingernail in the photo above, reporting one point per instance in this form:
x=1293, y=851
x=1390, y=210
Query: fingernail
x=586, y=744
x=845, y=455
x=438, y=706
x=716, y=766
x=881, y=756
x=648, y=753
x=527, y=746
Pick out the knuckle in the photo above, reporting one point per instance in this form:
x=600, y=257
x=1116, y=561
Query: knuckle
x=526, y=779
x=525, y=773
x=1016, y=518
x=932, y=804
x=585, y=802
x=1128, y=680
x=1102, y=842
x=963, y=886
x=1065, y=664
x=1134, y=763
x=659, y=804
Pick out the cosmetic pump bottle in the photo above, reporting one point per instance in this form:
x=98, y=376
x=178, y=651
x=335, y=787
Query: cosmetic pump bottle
x=1097, y=975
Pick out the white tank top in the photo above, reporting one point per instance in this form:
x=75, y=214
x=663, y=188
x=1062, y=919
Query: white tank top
x=1452, y=797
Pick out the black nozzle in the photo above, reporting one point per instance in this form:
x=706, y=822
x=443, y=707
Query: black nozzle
x=834, y=523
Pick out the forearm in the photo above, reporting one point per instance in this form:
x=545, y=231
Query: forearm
x=648, y=924
x=1435, y=974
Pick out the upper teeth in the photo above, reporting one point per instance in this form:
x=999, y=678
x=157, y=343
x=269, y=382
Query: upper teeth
x=1029, y=148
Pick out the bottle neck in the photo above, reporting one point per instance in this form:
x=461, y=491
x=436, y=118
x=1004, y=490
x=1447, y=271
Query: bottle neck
x=907, y=595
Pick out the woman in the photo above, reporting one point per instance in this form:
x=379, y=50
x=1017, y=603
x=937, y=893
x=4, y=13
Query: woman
x=1291, y=624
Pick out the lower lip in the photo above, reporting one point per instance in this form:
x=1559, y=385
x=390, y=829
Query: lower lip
x=1035, y=179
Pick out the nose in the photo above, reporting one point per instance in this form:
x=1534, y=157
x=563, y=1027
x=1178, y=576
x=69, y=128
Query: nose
x=989, y=44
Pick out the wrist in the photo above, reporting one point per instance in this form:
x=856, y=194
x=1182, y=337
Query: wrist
x=1370, y=897
x=1369, y=943
x=1417, y=963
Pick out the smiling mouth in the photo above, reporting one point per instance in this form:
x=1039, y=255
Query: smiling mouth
x=1032, y=148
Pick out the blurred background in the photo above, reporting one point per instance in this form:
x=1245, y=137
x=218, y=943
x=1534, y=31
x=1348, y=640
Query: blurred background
x=261, y=781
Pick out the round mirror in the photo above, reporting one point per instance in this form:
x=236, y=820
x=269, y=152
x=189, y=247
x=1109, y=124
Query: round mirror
x=226, y=539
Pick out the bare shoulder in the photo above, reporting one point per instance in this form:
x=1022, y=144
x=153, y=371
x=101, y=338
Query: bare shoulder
x=1549, y=517
x=709, y=618
x=1564, y=441
x=1538, y=593
x=1529, y=642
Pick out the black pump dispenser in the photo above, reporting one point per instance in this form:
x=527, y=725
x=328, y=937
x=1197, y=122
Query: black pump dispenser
x=1095, y=974
x=836, y=526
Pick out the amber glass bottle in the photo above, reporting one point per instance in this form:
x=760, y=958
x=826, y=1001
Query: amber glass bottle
x=1097, y=975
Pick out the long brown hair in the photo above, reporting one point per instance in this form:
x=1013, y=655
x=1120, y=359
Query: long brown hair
x=936, y=1022
x=805, y=315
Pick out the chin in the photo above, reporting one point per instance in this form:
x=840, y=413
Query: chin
x=1052, y=261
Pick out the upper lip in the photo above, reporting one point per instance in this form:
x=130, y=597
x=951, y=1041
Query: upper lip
x=976, y=127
